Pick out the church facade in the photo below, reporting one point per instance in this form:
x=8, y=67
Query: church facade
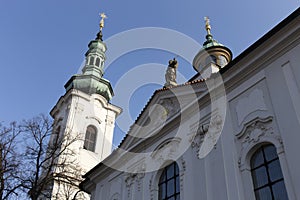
x=231, y=132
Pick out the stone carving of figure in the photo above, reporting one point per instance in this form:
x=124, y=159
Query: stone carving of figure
x=171, y=73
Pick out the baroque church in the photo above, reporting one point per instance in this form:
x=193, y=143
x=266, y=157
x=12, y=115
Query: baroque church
x=230, y=132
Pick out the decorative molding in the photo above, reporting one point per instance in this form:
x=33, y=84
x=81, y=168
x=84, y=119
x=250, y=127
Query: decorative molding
x=170, y=106
x=182, y=174
x=183, y=164
x=167, y=150
x=210, y=130
x=79, y=108
x=137, y=178
x=109, y=120
x=257, y=131
x=115, y=196
x=254, y=124
x=95, y=118
x=152, y=187
x=129, y=179
x=162, y=111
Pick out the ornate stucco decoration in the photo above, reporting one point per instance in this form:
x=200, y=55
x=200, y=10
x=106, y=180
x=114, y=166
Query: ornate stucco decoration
x=129, y=181
x=259, y=130
x=170, y=106
x=162, y=111
x=253, y=130
x=182, y=173
x=210, y=130
x=168, y=150
x=115, y=196
x=95, y=118
x=136, y=177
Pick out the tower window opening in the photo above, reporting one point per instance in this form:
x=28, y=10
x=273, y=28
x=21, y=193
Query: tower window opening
x=97, y=62
x=91, y=60
x=90, y=138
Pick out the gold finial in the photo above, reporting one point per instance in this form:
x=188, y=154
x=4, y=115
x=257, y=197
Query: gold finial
x=207, y=25
x=103, y=16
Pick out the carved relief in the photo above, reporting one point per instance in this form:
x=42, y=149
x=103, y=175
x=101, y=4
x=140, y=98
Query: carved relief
x=162, y=111
x=166, y=151
x=116, y=196
x=170, y=105
x=254, y=132
x=255, y=129
x=133, y=180
x=210, y=131
x=129, y=181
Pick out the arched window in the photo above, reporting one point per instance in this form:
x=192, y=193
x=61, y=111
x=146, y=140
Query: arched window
x=267, y=175
x=97, y=62
x=91, y=60
x=90, y=138
x=169, y=186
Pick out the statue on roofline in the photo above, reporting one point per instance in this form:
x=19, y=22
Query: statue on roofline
x=171, y=73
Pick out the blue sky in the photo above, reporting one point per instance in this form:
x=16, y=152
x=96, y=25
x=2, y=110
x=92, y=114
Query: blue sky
x=43, y=42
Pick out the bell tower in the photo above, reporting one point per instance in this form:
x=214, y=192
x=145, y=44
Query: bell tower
x=85, y=112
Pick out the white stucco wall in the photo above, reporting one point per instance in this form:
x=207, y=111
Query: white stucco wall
x=263, y=102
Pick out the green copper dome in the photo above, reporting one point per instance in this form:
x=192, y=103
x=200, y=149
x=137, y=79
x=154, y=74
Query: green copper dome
x=211, y=42
x=91, y=80
x=213, y=55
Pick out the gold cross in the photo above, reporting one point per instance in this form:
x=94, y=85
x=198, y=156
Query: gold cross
x=103, y=16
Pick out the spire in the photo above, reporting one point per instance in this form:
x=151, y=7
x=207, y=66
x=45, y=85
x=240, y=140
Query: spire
x=91, y=80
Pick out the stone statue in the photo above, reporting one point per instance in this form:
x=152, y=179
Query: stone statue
x=171, y=73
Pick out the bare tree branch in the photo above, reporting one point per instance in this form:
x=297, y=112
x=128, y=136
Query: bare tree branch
x=9, y=161
x=49, y=158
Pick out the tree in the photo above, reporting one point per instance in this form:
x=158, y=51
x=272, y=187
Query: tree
x=48, y=158
x=10, y=161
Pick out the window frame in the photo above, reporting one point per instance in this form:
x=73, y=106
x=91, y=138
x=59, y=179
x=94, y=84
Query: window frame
x=265, y=164
x=97, y=62
x=165, y=178
x=88, y=143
